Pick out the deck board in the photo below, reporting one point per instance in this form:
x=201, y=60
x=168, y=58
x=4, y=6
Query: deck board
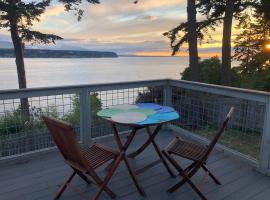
x=39, y=179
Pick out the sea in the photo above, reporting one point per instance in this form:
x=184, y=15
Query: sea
x=43, y=72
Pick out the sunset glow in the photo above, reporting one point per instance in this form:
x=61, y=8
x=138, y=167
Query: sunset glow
x=162, y=54
x=165, y=54
x=128, y=29
x=267, y=46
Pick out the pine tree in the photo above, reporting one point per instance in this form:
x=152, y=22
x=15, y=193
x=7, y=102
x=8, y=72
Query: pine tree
x=186, y=32
x=251, y=44
x=18, y=16
x=191, y=32
x=226, y=11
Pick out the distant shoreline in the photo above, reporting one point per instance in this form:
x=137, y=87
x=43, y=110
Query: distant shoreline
x=45, y=53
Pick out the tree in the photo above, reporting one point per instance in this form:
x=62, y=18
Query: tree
x=193, y=31
x=218, y=11
x=189, y=35
x=251, y=44
x=226, y=42
x=210, y=71
x=18, y=17
x=192, y=40
x=225, y=11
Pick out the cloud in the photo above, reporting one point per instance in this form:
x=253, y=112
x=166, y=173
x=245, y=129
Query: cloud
x=54, y=11
x=119, y=47
x=118, y=25
x=127, y=6
x=146, y=18
x=115, y=20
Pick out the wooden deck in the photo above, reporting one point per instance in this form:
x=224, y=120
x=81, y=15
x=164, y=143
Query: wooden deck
x=40, y=178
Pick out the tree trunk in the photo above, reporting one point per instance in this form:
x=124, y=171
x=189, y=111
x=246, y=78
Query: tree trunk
x=192, y=41
x=18, y=49
x=226, y=43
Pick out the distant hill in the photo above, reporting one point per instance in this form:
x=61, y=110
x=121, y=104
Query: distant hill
x=44, y=53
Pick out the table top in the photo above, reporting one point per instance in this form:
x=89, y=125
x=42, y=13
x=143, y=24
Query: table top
x=140, y=114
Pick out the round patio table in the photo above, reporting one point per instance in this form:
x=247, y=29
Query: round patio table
x=139, y=116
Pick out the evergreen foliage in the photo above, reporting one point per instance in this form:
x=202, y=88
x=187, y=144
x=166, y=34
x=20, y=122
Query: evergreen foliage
x=18, y=17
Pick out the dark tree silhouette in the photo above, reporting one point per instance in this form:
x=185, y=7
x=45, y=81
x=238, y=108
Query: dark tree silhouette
x=186, y=32
x=193, y=40
x=226, y=42
x=225, y=11
x=191, y=32
x=18, y=16
x=251, y=44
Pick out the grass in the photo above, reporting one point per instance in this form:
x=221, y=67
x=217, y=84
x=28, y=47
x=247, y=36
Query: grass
x=247, y=143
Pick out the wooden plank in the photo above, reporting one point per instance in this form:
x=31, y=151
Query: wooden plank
x=235, y=185
x=252, y=189
x=264, y=195
x=43, y=176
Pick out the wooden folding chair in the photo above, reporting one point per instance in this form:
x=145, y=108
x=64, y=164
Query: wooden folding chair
x=82, y=161
x=196, y=153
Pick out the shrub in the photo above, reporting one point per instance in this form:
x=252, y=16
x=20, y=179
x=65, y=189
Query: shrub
x=210, y=72
x=13, y=122
x=74, y=116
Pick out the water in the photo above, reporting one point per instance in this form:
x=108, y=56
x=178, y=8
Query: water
x=42, y=72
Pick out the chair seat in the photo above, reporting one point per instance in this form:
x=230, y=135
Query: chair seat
x=97, y=154
x=186, y=149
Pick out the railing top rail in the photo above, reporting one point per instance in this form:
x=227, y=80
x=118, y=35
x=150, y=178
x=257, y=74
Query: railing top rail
x=254, y=95
x=247, y=94
x=47, y=91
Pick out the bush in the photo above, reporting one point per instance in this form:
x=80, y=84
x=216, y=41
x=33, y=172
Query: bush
x=259, y=80
x=17, y=122
x=210, y=72
x=74, y=116
x=13, y=122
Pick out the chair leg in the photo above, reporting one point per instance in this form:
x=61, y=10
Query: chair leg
x=83, y=177
x=179, y=169
x=109, y=166
x=186, y=177
x=64, y=186
x=187, y=169
x=182, y=182
x=103, y=185
x=211, y=175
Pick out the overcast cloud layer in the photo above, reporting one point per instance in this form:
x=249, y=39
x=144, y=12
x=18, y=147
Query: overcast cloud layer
x=115, y=25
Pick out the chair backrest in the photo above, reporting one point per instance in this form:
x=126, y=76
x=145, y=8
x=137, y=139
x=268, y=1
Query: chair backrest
x=218, y=134
x=64, y=137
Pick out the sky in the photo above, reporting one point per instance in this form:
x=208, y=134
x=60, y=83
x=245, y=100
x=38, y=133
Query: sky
x=120, y=26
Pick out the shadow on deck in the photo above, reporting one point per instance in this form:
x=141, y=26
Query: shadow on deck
x=39, y=179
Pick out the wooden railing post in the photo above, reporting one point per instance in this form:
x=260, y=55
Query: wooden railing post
x=264, y=162
x=85, y=117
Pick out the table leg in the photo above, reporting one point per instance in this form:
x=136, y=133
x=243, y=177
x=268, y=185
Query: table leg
x=123, y=148
x=151, y=138
x=143, y=147
x=134, y=178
